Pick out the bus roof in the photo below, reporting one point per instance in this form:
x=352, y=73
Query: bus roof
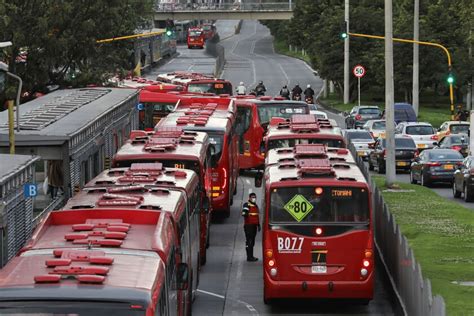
x=218, y=121
x=155, y=146
x=207, y=102
x=131, y=229
x=131, y=197
x=129, y=279
x=302, y=126
x=281, y=155
x=147, y=174
x=314, y=164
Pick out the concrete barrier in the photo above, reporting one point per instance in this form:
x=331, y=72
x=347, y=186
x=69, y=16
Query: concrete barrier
x=413, y=292
x=216, y=50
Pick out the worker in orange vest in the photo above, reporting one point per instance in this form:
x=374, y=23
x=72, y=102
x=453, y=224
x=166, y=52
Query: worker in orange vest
x=251, y=224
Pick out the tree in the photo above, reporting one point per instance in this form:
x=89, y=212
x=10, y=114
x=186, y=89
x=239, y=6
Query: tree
x=59, y=38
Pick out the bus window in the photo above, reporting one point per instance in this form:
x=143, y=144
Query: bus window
x=267, y=111
x=303, y=205
x=244, y=117
x=217, y=141
x=79, y=308
x=211, y=87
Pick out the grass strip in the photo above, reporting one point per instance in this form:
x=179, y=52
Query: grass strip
x=441, y=234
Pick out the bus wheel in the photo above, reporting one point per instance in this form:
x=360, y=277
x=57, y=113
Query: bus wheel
x=227, y=212
x=235, y=189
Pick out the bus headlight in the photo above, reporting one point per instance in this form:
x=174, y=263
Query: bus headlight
x=363, y=272
x=273, y=271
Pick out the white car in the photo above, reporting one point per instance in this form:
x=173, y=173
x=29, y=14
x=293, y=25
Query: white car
x=361, y=140
x=319, y=114
x=375, y=127
x=422, y=133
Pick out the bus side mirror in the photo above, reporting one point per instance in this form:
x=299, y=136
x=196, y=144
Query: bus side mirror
x=258, y=179
x=182, y=276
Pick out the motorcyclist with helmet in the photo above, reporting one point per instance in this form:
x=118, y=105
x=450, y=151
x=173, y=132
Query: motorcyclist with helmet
x=296, y=93
x=260, y=89
x=309, y=94
x=285, y=92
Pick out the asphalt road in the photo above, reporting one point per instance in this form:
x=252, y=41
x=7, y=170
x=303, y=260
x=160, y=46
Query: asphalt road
x=229, y=285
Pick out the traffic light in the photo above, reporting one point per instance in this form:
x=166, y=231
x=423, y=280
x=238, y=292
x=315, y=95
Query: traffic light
x=344, y=30
x=169, y=27
x=450, y=78
x=169, y=32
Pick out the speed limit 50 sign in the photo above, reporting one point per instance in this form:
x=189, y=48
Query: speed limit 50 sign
x=359, y=71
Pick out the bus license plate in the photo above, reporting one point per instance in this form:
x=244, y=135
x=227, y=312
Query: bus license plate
x=319, y=269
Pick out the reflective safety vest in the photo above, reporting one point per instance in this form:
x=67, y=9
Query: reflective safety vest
x=250, y=214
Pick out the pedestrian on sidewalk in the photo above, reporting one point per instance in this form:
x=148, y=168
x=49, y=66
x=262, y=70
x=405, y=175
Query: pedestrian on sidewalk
x=251, y=225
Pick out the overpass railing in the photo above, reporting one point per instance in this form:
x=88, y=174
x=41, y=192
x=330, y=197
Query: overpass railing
x=246, y=6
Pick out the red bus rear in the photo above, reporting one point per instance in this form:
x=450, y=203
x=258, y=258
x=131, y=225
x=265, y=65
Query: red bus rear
x=253, y=117
x=209, y=30
x=155, y=107
x=195, y=37
x=317, y=230
x=105, y=262
x=302, y=129
x=174, y=149
x=223, y=160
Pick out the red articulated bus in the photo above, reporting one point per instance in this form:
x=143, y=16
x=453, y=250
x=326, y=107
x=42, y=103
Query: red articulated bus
x=176, y=149
x=318, y=229
x=196, y=37
x=155, y=175
x=302, y=129
x=101, y=262
x=198, y=83
x=223, y=160
x=253, y=118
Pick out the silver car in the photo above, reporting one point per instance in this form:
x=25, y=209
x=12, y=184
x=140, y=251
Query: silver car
x=360, y=139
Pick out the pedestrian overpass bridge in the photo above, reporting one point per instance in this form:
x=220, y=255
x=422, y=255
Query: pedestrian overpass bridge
x=239, y=10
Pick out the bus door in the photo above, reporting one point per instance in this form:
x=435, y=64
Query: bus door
x=250, y=136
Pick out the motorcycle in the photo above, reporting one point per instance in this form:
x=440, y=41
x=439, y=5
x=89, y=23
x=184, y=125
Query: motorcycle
x=296, y=97
x=309, y=100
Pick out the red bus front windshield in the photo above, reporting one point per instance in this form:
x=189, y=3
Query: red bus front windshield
x=301, y=205
x=281, y=143
x=267, y=111
x=154, y=112
x=195, y=33
x=210, y=87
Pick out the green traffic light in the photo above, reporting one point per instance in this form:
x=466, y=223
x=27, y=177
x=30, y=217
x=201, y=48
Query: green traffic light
x=168, y=32
x=450, y=79
x=344, y=35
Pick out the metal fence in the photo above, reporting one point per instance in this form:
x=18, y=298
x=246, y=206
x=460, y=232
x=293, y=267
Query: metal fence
x=414, y=292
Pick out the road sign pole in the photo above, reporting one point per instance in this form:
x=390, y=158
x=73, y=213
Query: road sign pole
x=358, y=88
x=389, y=97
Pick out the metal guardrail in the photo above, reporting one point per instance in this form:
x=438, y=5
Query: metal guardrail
x=414, y=292
x=245, y=6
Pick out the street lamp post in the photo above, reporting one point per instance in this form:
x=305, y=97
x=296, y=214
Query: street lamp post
x=4, y=68
x=346, y=53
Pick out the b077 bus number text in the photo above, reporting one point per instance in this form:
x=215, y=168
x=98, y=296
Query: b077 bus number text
x=290, y=244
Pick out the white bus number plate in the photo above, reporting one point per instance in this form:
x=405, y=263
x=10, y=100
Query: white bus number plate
x=319, y=269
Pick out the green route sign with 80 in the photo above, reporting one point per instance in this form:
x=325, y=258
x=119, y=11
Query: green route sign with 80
x=298, y=207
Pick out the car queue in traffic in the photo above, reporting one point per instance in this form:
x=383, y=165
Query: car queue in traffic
x=430, y=155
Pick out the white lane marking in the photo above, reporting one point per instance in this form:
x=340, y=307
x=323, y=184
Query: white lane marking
x=247, y=305
x=284, y=73
x=211, y=294
x=247, y=180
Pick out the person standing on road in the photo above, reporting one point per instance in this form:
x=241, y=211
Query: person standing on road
x=251, y=225
x=241, y=89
